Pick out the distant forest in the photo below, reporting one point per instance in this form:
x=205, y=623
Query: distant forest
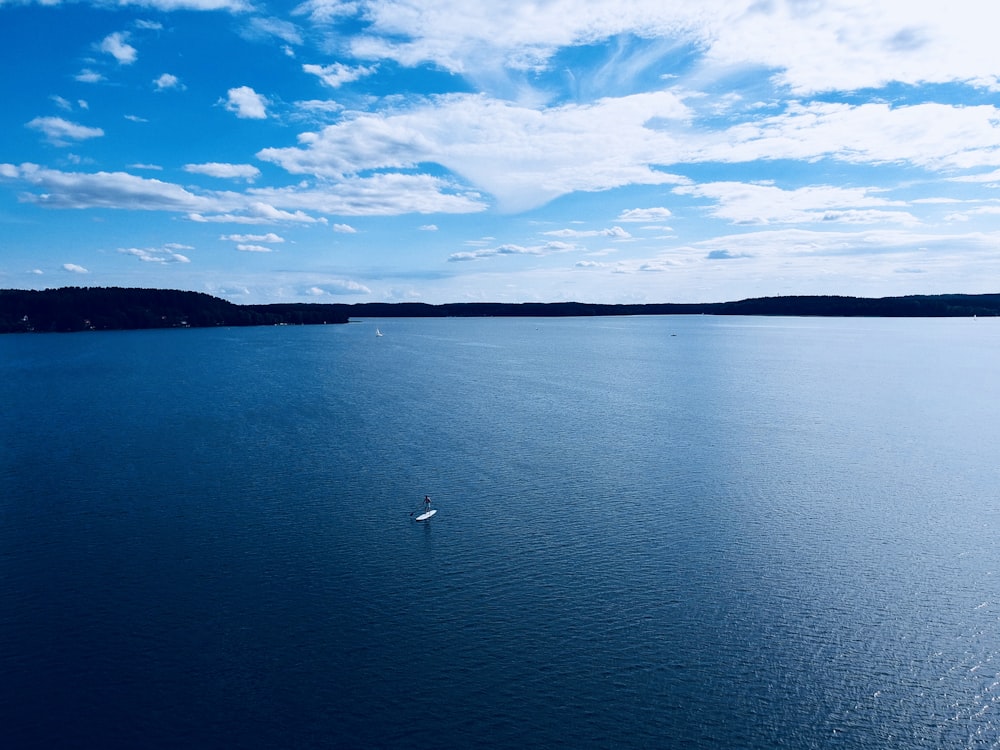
x=103, y=309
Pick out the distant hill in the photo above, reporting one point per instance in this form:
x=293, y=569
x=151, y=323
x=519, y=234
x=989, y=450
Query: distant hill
x=100, y=308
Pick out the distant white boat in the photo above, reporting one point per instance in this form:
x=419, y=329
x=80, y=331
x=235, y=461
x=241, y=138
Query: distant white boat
x=378, y=332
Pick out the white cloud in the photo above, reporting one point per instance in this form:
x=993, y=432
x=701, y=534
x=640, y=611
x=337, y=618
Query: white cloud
x=269, y=237
x=991, y=210
x=645, y=214
x=428, y=228
x=117, y=46
x=110, y=190
x=88, y=76
x=749, y=203
x=337, y=74
x=809, y=46
x=324, y=11
x=337, y=287
x=851, y=44
x=932, y=135
x=246, y=103
x=166, y=254
x=344, y=229
x=254, y=248
x=511, y=250
x=801, y=243
x=121, y=190
x=571, y=148
x=379, y=195
x=475, y=36
x=235, y=6
x=60, y=131
x=313, y=107
x=246, y=172
x=986, y=177
x=167, y=81
x=74, y=268
x=387, y=194
x=256, y=213
x=616, y=232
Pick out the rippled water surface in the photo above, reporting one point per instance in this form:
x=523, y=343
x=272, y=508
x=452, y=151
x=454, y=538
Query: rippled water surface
x=689, y=532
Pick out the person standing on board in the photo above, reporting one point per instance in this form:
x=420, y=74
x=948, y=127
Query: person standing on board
x=427, y=503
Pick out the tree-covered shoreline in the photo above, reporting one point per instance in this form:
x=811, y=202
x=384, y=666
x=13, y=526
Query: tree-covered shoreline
x=111, y=308
x=70, y=309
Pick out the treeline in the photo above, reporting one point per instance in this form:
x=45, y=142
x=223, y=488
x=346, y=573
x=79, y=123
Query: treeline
x=104, y=309
x=916, y=306
x=99, y=308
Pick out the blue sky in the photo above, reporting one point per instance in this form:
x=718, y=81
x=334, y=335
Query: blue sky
x=475, y=150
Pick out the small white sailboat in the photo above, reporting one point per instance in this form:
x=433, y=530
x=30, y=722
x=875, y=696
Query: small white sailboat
x=378, y=332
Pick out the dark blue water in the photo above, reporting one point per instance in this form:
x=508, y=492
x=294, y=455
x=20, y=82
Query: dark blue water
x=687, y=532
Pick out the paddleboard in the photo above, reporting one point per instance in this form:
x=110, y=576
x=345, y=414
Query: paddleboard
x=425, y=516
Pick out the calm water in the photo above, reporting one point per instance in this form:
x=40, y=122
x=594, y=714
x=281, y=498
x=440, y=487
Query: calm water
x=688, y=532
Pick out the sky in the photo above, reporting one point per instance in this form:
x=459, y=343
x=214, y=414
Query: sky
x=501, y=151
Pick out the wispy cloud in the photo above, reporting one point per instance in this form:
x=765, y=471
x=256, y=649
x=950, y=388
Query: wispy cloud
x=645, y=215
x=166, y=254
x=256, y=214
x=246, y=172
x=60, y=132
x=614, y=232
x=931, y=135
x=264, y=28
x=511, y=250
x=89, y=76
x=269, y=237
x=235, y=6
x=748, y=203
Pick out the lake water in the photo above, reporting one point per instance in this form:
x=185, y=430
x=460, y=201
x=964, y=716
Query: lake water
x=670, y=532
